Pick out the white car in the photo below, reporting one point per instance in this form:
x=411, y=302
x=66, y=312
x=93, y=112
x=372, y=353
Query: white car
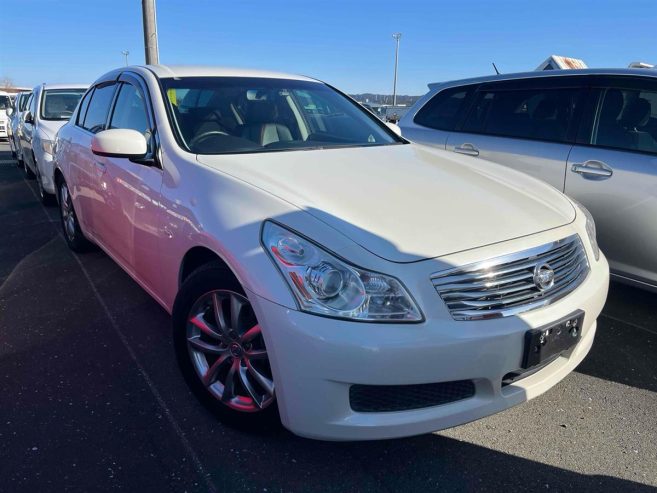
x=317, y=266
x=5, y=104
x=50, y=106
x=18, y=107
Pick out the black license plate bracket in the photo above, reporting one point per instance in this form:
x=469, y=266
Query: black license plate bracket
x=547, y=342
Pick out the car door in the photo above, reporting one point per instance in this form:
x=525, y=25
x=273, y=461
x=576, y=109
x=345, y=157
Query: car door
x=528, y=125
x=84, y=170
x=130, y=189
x=613, y=171
x=435, y=119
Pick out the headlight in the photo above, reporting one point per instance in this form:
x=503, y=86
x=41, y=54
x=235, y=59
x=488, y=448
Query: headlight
x=590, y=229
x=48, y=146
x=325, y=285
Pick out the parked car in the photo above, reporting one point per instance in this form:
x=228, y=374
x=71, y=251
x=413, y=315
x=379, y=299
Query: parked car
x=589, y=133
x=5, y=103
x=50, y=106
x=18, y=107
x=319, y=267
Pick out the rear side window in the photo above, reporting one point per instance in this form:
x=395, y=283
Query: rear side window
x=445, y=109
x=626, y=119
x=542, y=114
x=99, y=106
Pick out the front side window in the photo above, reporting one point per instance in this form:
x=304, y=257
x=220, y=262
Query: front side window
x=626, y=119
x=84, y=105
x=224, y=115
x=59, y=104
x=542, y=114
x=96, y=116
x=22, y=102
x=444, y=110
x=130, y=111
x=30, y=104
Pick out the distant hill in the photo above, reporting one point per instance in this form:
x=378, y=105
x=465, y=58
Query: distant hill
x=384, y=98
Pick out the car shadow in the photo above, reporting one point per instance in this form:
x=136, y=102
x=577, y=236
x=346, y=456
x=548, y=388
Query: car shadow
x=424, y=463
x=625, y=344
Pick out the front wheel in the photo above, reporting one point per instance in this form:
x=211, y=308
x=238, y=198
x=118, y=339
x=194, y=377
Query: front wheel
x=26, y=169
x=221, y=350
x=45, y=197
x=72, y=232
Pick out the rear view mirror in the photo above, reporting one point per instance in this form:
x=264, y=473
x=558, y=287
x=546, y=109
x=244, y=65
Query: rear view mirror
x=28, y=117
x=119, y=142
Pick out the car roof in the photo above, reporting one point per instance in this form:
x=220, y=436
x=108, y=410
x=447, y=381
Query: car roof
x=641, y=72
x=62, y=86
x=163, y=71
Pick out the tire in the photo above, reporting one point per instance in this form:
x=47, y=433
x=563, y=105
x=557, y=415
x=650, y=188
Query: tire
x=227, y=351
x=70, y=225
x=26, y=169
x=45, y=197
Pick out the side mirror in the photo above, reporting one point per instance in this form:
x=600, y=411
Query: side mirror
x=28, y=117
x=10, y=111
x=394, y=127
x=119, y=142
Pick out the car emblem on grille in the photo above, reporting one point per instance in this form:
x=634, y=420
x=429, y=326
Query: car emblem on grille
x=543, y=276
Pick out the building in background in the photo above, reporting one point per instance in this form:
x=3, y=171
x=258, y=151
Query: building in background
x=556, y=62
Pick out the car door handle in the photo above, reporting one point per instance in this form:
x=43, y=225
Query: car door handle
x=467, y=149
x=595, y=169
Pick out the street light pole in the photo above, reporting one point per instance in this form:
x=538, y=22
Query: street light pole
x=396, y=37
x=150, y=32
x=125, y=54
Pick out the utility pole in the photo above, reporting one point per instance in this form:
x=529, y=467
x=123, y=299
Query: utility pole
x=396, y=37
x=125, y=54
x=150, y=32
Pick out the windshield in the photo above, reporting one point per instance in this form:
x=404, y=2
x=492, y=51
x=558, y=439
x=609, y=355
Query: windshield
x=225, y=115
x=59, y=104
x=4, y=102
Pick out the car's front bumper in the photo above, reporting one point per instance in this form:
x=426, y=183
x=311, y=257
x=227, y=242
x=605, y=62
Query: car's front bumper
x=46, y=166
x=315, y=361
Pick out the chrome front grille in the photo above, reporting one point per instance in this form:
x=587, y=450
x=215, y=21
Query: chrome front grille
x=511, y=284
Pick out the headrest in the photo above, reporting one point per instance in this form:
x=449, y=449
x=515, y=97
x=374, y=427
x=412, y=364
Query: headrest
x=637, y=113
x=260, y=111
x=545, y=109
x=613, y=104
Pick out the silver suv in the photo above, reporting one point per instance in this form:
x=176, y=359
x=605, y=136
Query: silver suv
x=590, y=133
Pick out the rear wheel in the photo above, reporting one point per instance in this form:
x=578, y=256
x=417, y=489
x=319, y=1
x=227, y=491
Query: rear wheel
x=72, y=232
x=221, y=350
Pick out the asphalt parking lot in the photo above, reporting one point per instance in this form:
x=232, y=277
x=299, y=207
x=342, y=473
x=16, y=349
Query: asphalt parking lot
x=91, y=398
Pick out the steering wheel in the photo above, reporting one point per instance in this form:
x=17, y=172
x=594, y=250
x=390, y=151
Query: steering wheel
x=205, y=135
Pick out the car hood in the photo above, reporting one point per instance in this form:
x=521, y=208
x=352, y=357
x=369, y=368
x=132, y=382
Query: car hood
x=405, y=202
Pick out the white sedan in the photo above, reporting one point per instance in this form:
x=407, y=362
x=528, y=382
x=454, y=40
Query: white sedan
x=318, y=267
